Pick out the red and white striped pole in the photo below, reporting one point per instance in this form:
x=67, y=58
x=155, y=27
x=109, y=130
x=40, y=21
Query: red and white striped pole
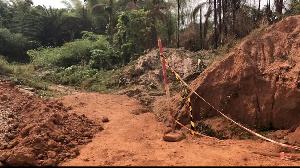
x=166, y=84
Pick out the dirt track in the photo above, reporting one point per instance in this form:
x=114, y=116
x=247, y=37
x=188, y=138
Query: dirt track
x=133, y=137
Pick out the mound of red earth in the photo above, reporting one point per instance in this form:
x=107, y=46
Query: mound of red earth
x=38, y=132
x=258, y=84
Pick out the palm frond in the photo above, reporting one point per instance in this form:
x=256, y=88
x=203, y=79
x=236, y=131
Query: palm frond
x=198, y=7
x=97, y=7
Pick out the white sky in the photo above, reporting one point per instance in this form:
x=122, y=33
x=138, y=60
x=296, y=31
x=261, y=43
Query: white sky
x=58, y=4
x=47, y=3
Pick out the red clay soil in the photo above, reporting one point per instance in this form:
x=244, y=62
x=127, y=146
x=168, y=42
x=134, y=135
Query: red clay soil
x=134, y=137
x=258, y=84
x=64, y=132
x=39, y=132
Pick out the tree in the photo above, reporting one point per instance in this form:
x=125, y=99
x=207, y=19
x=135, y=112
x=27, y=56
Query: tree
x=52, y=30
x=215, y=24
x=178, y=21
x=131, y=32
x=206, y=23
x=258, y=13
x=196, y=9
x=25, y=19
x=105, y=11
x=293, y=8
x=154, y=7
x=5, y=15
x=278, y=6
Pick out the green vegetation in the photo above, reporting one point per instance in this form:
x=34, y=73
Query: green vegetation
x=4, y=67
x=89, y=44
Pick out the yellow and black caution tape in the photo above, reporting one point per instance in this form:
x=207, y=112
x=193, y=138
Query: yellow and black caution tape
x=184, y=92
x=191, y=116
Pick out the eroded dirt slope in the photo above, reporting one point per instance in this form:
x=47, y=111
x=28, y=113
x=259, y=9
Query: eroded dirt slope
x=257, y=84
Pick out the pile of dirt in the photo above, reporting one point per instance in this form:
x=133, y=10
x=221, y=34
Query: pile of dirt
x=258, y=84
x=144, y=80
x=38, y=132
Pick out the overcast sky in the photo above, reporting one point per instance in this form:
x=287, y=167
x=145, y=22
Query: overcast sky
x=47, y=3
x=58, y=4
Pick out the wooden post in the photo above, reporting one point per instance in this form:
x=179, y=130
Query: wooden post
x=166, y=84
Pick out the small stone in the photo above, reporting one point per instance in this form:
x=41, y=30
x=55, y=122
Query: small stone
x=68, y=154
x=105, y=119
x=4, y=97
x=73, y=155
x=25, y=131
x=101, y=128
x=60, y=138
x=10, y=116
x=76, y=151
x=87, y=134
x=3, y=147
x=40, y=156
x=10, y=136
x=51, y=154
x=39, y=162
x=174, y=137
x=68, y=140
x=49, y=162
x=168, y=130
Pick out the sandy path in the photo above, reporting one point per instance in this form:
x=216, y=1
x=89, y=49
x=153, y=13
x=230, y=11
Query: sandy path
x=132, y=139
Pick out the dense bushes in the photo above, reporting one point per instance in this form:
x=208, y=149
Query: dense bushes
x=14, y=46
x=91, y=50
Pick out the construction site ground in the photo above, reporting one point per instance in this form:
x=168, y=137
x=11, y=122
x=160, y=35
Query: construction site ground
x=133, y=136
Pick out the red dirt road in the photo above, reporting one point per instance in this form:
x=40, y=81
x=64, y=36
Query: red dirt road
x=133, y=137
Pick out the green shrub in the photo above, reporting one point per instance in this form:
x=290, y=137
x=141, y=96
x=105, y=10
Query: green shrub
x=104, y=59
x=81, y=51
x=4, y=66
x=72, y=75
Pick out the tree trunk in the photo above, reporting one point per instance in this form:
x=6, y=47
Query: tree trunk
x=258, y=10
x=178, y=21
x=225, y=17
x=278, y=6
x=200, y=24
x=233, y=16
x=220, y=21
x=215, y=22
x=207, y=15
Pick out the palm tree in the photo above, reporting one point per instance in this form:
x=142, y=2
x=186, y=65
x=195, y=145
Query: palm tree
x=195, y=11
x=207, y=15
x=108, y=9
